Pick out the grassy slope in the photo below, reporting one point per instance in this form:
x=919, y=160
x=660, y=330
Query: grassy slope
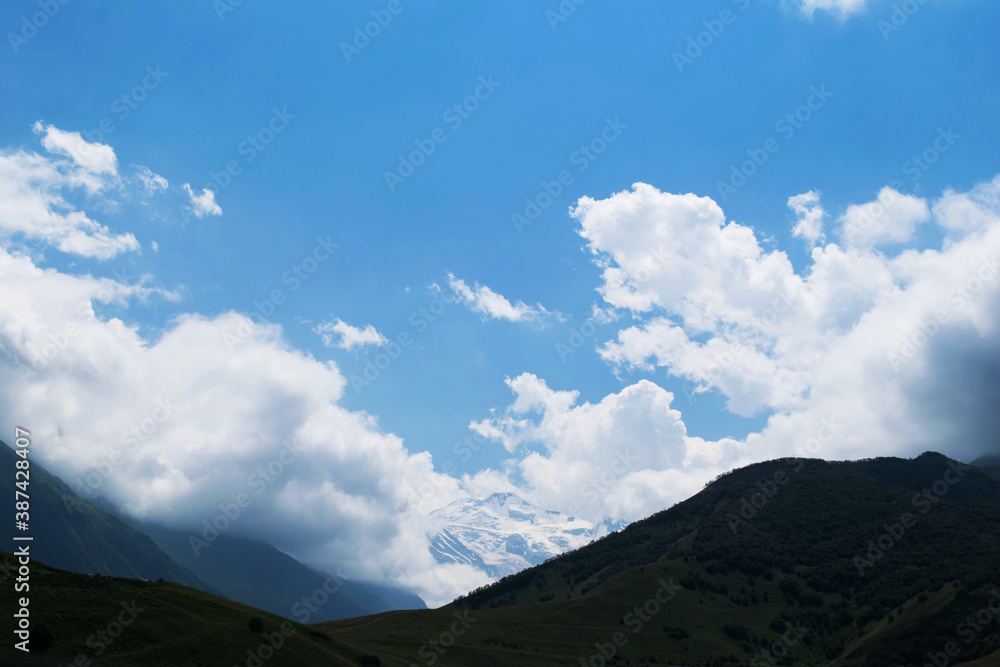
x=564, y=631
x=178, y=626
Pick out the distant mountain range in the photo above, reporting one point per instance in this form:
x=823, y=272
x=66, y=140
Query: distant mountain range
x=76, y=535
x=882, y=562
x=259, y=575
x=504, y=534
x=81, y=536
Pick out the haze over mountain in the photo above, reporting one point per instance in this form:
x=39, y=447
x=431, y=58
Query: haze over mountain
x=76, y=535
x=81, y=536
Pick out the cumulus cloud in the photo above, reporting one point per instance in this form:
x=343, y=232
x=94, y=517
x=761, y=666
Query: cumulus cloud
x=35, y=193
x=617, y=458
x=892, y=218
x=809, y=216
x=862, y=353
x=204, y=204
x=348, y=336
x=770, y=339
x=93, y=157
x=192, y=424
x=481, y=299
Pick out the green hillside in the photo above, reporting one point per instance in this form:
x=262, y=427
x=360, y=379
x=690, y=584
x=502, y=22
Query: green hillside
x=795, y=580
x=111, y=621
x=814, y=520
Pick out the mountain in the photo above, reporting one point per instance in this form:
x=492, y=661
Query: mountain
x=987, y=461
x=95, y=621
x=504, y=534
x=881, y=559
x=71, y=533
x=882, y=562
x=78, y=535
x=259, y=575
x=991, y=464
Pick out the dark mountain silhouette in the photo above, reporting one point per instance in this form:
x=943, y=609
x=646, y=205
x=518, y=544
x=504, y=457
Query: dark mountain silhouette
x=259, y=575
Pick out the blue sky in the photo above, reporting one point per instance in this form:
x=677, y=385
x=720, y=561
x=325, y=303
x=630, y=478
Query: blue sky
x=557, y=86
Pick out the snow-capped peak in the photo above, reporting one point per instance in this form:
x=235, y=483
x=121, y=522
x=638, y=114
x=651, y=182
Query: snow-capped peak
x=503, y=533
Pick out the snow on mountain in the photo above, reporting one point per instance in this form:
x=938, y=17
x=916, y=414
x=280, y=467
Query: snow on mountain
x=504, y=534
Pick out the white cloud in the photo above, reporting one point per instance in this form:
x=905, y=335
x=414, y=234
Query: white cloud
x=734, y=319
x=481, y=299
x=93, y=157
x=203, y=204
x=83, y=382
x=968, y=211
x=892, y=218
x=33, y=202
x=809, y=216
x=842, y=8
x=862, y=354
x=623, y=457
x=151, y=183
x=350, y=337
